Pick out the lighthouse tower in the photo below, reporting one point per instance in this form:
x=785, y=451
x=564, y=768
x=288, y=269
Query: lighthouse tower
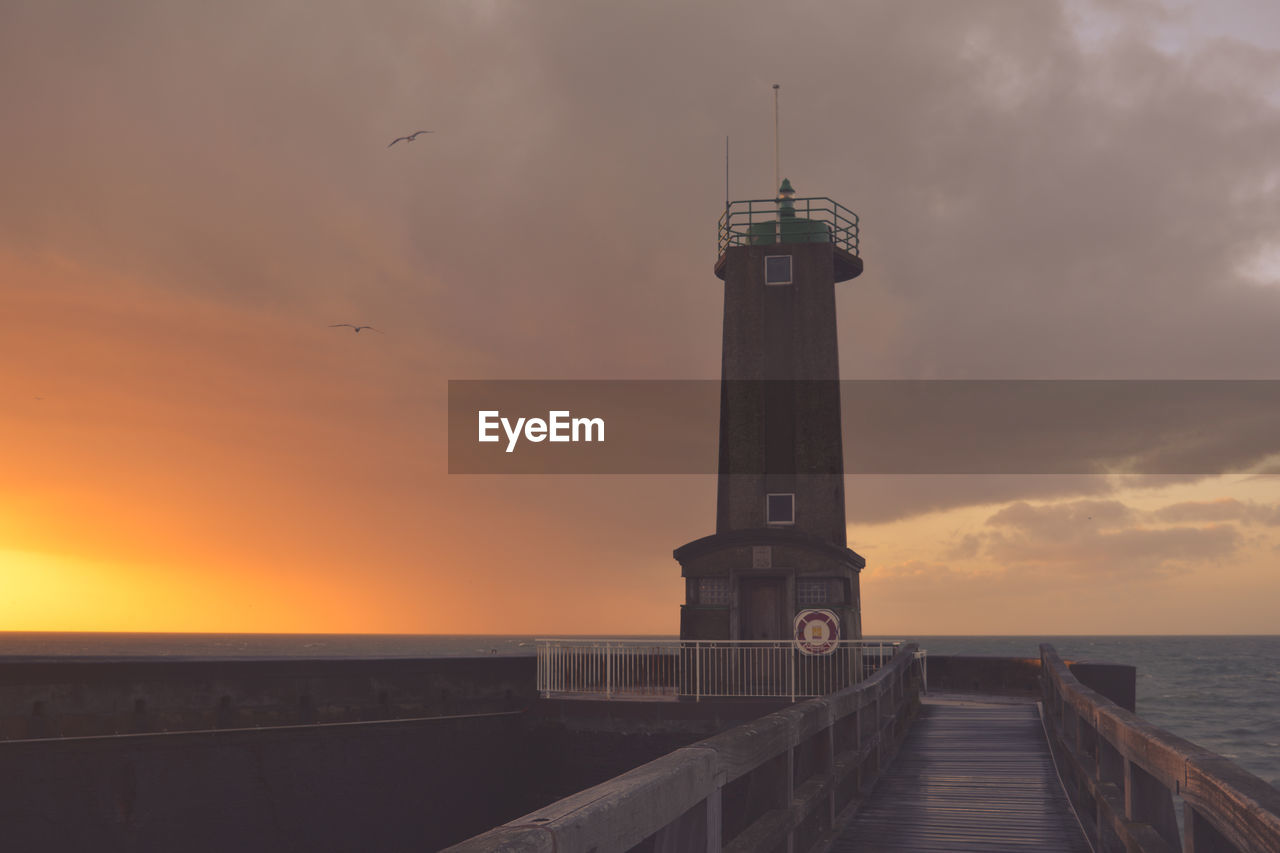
x=779, y=551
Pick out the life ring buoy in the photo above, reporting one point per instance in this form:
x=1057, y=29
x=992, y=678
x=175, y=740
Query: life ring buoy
x=817, y=632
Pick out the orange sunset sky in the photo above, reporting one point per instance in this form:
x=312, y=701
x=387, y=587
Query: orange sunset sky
x=190, y=193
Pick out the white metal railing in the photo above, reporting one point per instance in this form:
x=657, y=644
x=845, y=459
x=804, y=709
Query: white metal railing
x=704, y=668
x=608, y=667
x=922, y=655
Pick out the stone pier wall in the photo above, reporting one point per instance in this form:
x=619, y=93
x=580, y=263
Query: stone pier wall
x=43, y=698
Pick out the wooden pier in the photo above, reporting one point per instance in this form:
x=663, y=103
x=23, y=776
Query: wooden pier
x=883, y=766
x=969, y=777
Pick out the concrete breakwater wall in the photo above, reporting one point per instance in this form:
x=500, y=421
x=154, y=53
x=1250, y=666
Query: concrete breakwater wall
x=407, y=784
x=291, y=767
x=58, y=697
x=404, y=785
x=1002, y=676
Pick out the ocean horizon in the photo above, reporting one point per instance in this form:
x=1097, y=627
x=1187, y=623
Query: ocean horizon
x=1219, y=691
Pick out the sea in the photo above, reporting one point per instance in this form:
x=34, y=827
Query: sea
x=1221, y=692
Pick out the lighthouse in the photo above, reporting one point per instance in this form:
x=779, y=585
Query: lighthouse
x=779, y=553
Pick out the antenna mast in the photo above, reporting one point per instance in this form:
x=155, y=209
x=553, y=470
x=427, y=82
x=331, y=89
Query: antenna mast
x=777, y=171
x=726, y=173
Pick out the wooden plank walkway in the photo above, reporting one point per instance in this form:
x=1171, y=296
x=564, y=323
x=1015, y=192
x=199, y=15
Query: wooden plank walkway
x=968, y=777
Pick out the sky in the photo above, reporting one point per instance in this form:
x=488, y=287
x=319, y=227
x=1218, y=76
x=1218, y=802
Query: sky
x=194, y=192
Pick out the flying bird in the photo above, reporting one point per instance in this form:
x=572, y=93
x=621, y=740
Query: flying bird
x=410, y=137
x=354, y=326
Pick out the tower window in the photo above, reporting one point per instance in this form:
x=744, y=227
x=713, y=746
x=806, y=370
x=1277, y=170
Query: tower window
x=811, y=592
x=713, y=590
x=777, y=269
x=780, y=508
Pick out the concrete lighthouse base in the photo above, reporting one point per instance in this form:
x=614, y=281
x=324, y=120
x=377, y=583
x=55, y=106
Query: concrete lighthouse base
x=750, y=584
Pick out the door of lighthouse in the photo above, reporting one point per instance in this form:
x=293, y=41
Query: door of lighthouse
x=762, y=615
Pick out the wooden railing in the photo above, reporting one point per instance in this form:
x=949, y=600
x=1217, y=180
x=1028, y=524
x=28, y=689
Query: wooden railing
x=784, y=781
x=1123, y=775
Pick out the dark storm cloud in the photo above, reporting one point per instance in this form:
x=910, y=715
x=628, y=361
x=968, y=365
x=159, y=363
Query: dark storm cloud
x=1030, y=208
x=1060, y=427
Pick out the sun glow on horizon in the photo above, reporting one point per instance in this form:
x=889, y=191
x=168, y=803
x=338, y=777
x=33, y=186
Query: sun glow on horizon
x=52, y=592
x=43, y=592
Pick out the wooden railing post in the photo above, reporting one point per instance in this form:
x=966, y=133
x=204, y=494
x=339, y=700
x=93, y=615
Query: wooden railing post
x=696, y=831
x=1147, y=801
x=878, y=729
x=1200, y=836
x=789, y=787
x=715, y=821
x=829, y=769
x=857, y=729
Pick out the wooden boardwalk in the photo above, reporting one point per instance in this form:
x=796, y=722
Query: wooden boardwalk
x=968, y=777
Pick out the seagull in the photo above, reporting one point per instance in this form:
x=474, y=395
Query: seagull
x=410, y=137
x=354, y=326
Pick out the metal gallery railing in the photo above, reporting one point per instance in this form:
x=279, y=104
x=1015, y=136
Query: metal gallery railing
x=765, y=221
x=701, y=669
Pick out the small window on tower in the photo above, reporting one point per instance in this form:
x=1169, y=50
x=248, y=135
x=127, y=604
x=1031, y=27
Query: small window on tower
x=713, y=591
x=810, y=591
x=777, y=269
x=780, y=509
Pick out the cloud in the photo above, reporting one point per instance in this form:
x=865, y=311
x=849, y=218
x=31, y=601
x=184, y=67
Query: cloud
x=1092, y=538
x=942, y=582
x=1062, y=520
x=244, y=153
x=926, y=580
x=966, y=549
x=1033, y=205
x=1060, y=427
x=1028, y=551
x=1221, y=510
x=875, y=499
